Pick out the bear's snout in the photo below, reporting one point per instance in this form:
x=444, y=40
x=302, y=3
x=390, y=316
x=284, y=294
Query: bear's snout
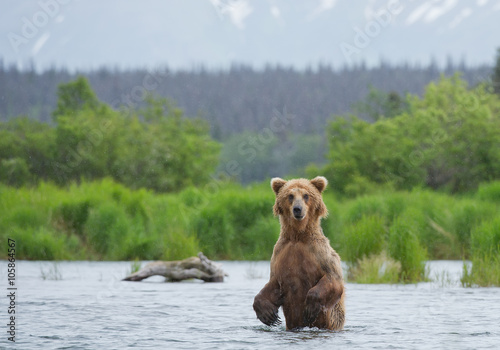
x=297, y=212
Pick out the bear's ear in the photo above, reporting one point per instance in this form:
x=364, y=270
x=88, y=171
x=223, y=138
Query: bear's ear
x=276, y=184
x=320, y=183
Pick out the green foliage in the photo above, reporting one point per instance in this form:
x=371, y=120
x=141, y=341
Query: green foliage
x=73, y=215
x=105, y=220
x=107, y=225
x=14, y=171
x=485, y=247
x=98, y=220
x=259, y=239
x=383, y=237
x=466, y=216
x=496, y=74
x=85, y=144
x=135, y=266
x=41, y=243
x=485, y=255
x=429, y=233
x=155, y=147
x=75, y=96
x=25, y=217
x=413, y=226
x=26, y=151
x=167, y=152
x=421, y=225
x=482, y=273
x=489, y=191
x=364, y=238
x=375, y=269
x=404, y=246
x=485, y=239
x=233, y=224
x=446, y=139
x=364, y=206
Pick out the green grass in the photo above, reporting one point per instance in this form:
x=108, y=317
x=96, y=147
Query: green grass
x=485, y=248
x=408, y=227
x=104, y=220
x=94, y=220
x=135, y=266
x=237, y=224
x=405, y=247
x=375, y=269
x=485, y=272
x=364, y=238
x=489, y=191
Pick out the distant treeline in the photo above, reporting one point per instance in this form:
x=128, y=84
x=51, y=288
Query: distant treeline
x=447, y=139
x=233, y=100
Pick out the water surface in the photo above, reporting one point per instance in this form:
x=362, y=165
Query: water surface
x=84, y=305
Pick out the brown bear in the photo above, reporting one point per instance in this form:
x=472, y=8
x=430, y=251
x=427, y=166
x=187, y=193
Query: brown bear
x=306, y=275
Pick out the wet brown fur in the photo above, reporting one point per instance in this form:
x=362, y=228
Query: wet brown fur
x=306, y=275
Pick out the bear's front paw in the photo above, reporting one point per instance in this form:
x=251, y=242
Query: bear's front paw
x=266, y=312
x=313, y=307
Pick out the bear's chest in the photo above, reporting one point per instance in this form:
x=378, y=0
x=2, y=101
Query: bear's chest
x=296, y=265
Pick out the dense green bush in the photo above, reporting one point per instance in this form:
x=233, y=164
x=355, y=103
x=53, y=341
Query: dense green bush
x=466, y=216
x=418, y=225
x=489, y=191
x=375, y=269
x=483, y=273
x=94, y=220
x=404, y=246
x=364, y=206
x=14, y=171
x=73, y=215
x=106, y=228
x=485, y=239
x=447, y=139
x=485, y=248
x=42, y=243
x=154, y=147
x=363, y=238
x=234, y=223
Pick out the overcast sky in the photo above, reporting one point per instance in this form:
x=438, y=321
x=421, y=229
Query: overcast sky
x=86, y=34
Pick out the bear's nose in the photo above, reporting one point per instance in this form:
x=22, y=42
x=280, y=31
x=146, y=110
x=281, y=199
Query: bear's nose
x=297, y=211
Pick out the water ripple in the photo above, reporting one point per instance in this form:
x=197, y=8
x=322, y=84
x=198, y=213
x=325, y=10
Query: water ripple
x=86, y=313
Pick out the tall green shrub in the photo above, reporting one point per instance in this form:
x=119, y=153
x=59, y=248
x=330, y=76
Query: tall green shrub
x=447, y=139
x=107, y=228
x=485, y=247
x=363, y=238
x=404, y=246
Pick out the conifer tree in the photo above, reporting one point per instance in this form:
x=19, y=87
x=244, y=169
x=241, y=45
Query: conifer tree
x=496, y=74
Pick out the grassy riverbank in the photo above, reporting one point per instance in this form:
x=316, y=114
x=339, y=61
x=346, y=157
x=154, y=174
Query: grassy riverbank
x=385, y=237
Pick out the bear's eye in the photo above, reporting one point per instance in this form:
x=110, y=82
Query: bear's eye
x=306, y=197
x=290, y=198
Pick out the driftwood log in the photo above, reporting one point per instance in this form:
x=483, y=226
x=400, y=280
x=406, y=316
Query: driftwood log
x=199, y=267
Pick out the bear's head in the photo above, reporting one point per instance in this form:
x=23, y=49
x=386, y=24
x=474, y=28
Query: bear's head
x=299, y=200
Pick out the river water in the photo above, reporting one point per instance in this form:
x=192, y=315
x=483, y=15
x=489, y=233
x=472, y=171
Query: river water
x=84, y=305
